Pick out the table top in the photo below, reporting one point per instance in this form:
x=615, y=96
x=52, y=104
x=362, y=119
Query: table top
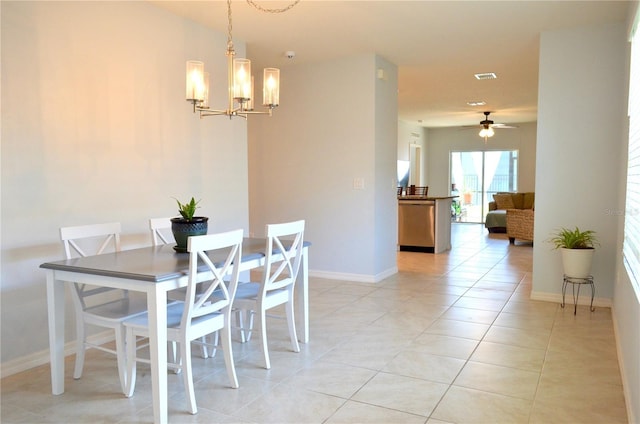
x=152, y=263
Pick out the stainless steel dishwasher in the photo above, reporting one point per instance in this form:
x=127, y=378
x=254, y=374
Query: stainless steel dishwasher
x=416, y=225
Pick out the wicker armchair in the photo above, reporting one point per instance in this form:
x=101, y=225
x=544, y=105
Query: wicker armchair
x=520, y=224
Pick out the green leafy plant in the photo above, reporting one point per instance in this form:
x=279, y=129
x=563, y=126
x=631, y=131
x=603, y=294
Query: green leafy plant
x=574, y=239
x=187, y=210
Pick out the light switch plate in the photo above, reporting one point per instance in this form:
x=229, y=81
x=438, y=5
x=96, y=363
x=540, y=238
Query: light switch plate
x=358, y=183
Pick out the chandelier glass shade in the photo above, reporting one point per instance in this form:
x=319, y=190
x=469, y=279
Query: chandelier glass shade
x=240, y=96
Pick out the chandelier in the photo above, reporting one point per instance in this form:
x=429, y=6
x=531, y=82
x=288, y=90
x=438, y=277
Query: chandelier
x=240, y=100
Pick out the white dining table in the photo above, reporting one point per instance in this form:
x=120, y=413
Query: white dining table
x=153, y=270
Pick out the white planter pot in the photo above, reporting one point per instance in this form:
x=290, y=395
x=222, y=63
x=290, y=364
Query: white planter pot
x=577, y=262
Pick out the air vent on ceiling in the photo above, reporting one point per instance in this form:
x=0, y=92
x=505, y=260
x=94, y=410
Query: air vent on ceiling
x=486, y=75
x=477, y=103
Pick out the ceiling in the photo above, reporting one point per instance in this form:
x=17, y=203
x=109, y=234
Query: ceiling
x=438, y=46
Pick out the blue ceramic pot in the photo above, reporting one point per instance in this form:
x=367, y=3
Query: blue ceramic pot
x=183, y=229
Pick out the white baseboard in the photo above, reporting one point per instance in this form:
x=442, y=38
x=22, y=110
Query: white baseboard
x=359, y=278
x=36, y=359
x=582, y=300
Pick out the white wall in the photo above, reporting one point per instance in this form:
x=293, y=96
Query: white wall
x=580, y=120
x=442, y=141
x=626, y=319
x=582, y=136
x=626, y=300
x=413, y=134
x=303, y=161
x=95, y=128
x=385, y=161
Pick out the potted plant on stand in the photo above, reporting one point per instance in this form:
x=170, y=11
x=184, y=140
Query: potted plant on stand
x=187, y=224
x=577, y=249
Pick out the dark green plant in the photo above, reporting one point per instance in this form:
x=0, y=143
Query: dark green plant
x=187, y=210
x=574, y=239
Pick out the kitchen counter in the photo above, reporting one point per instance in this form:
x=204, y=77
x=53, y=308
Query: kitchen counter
x=415, y=197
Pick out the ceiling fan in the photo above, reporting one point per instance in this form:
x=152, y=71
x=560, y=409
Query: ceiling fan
x=487, y=127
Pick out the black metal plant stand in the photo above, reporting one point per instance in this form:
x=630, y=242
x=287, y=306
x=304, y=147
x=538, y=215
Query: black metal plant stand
x=576, y=293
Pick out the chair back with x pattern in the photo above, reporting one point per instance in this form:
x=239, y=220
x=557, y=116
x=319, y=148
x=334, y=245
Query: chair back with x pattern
x=217, y=297
x=99, y=306
x=283, y=255
x=201, y=313
x=158, y=236
x=89, y=240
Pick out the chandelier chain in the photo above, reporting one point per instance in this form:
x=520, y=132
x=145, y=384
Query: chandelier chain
x=240, y=89
x=264, y=9
x=229, y=26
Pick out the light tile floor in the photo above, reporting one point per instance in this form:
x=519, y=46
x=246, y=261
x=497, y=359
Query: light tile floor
x=451, y=338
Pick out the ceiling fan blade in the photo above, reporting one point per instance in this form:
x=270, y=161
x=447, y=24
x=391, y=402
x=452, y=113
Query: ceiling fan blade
x=503, y=126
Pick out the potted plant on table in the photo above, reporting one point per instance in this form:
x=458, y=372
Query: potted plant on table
x=187, y=224
x=577, y=249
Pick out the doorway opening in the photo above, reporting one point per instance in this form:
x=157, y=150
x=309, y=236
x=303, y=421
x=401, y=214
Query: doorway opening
x=415, y=164
x=476, y=176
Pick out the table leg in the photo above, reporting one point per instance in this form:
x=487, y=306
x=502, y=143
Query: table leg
x=157, y=306
x=55, y=306
x=302, y=290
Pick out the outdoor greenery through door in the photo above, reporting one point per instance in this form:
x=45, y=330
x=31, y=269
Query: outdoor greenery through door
x=476, y=177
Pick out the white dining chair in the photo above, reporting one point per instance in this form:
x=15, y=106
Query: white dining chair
x=99, y=306
x=160, y=231
x=282, y=263
x=200, y=314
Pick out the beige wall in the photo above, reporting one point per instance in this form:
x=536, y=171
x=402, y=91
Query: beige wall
x=95, y=129
x=582, y=137
x=581, y=141
x=304, y=159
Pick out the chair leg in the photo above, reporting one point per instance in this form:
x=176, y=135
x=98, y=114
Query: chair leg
x=173, y=356
x=228, y=356
x=263, y=333
x=291, y=322
x=214, y=343
x=204, y=349
x=249, y=317
x=243, y=316
x=121, y=357
x=80, y=349
x=185, y=353
x=131, y=361
x=240, y=324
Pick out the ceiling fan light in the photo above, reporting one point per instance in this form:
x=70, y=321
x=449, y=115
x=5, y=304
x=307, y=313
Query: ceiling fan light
x=486, y=132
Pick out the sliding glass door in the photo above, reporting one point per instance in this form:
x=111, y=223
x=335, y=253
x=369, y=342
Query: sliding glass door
x=477, y=176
